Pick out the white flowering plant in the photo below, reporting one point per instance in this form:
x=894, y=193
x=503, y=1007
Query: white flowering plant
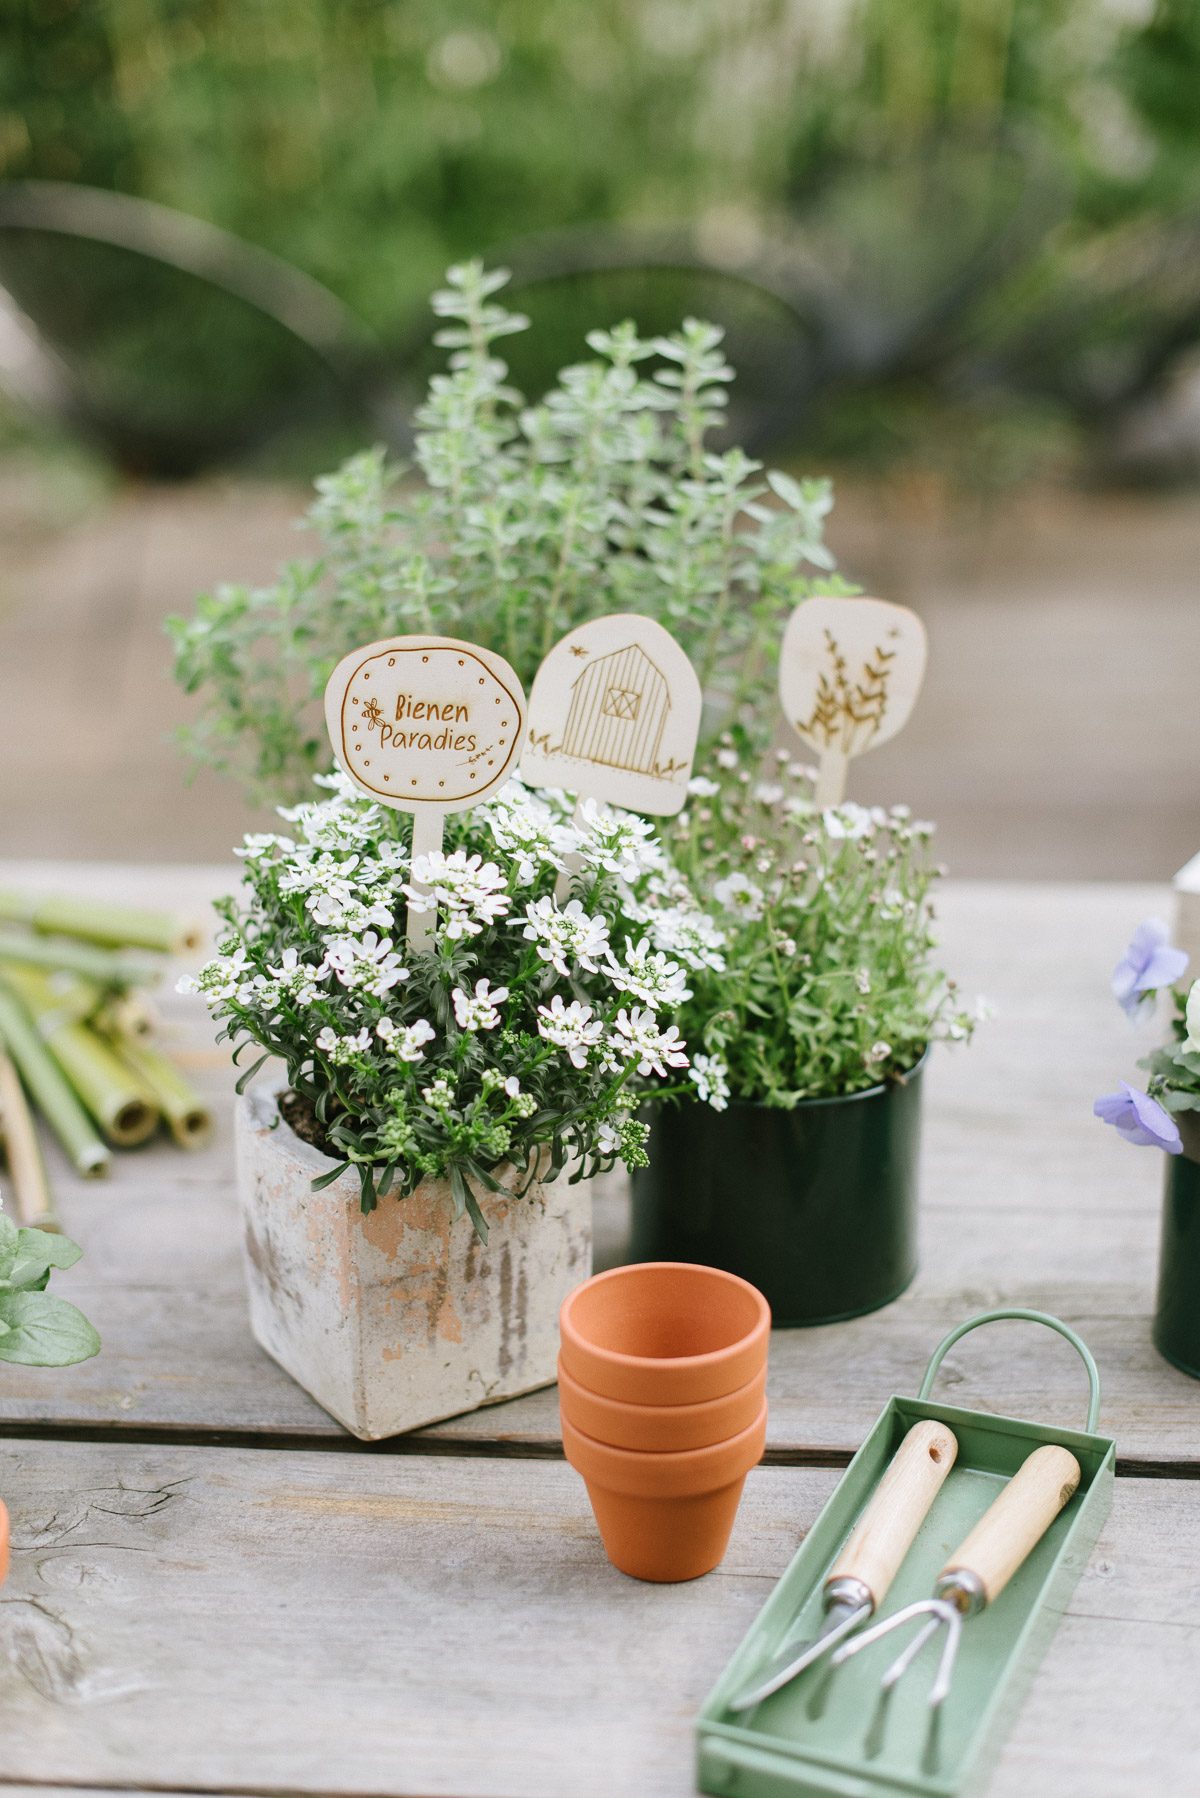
x=827, y=983
x=526, y=1036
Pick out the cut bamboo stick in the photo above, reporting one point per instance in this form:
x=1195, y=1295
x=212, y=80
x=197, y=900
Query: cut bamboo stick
x=187, y=1116
x=49, y=1087
x=100, y=921
x=117, y=1099
x=98, y=965
x=128, y=1015
x=32, y=1199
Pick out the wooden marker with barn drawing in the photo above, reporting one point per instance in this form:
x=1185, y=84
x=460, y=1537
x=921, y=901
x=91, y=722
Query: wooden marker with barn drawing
x=613, y=714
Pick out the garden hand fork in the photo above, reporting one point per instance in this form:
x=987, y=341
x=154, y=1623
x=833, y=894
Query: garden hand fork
x=860, y=1577
x=1003, y=1539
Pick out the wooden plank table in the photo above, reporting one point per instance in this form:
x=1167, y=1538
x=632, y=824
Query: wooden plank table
x=215, y=1589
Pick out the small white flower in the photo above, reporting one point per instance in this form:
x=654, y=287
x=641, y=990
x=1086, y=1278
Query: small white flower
x=1191, y=1041
x=636, y=1036
x=878, y=1052
x=567, y=935
x=847, y=821
x=469, y=890
x=263, y=846
x=619, y=843
x=702, y=788
x=711, y=1079
x=571, y=1027
x=689, y=934
x=649, y=975
x=343, y=1049
x=768, y=793
x=737, y=894
x=862, y=981
x=726, y=758
x=366, y=965
x=406, y=1041
x=478, y=1010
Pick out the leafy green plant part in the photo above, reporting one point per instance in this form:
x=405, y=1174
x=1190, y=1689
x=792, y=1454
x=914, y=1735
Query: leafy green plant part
x=518, y=523
x=37, y=1330
x=521, y=1045
x=827, y=982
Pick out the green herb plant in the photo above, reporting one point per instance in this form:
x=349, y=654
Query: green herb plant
x=529, y=519
x=828, y=984
x=37, y=1330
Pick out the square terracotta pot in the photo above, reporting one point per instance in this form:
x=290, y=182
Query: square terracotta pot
x=402, y=1317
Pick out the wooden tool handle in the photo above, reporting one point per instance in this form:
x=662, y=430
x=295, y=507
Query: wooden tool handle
x=885, y=1531
x=1013, y=1524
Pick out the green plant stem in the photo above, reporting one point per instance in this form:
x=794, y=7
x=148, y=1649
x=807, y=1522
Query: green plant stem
x=49, y=1088
x=122, y=1104
x=99, y=965
x=27, y=1171
x=103, y=922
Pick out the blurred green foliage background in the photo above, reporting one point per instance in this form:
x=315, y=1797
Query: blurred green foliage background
x=878, y=143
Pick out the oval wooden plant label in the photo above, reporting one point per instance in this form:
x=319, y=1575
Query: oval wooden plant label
x=613, y=714
x=849, y=674
x=427, y=725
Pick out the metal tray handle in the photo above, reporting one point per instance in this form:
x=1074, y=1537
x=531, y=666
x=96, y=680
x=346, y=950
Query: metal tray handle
x=1029, y=1317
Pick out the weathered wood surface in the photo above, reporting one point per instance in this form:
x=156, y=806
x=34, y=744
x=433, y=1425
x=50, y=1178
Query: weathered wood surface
x=1026, y=1199
x=229, y=1620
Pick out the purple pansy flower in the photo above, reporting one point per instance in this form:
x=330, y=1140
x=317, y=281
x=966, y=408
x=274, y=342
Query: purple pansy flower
x=1139, y=1119
x=1149, y=962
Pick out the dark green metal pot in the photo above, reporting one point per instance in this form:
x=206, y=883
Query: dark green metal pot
x=815, y=1206
x=1177, y=1313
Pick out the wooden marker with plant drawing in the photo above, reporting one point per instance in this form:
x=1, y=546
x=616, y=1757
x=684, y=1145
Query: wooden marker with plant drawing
x=427, y=725
x=849, y=674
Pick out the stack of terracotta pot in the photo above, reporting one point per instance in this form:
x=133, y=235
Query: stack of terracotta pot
x=662, y=1385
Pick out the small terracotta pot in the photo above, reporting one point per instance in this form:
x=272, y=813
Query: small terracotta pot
x=660, y=1429
x=665, y=1517
x=664, y=1333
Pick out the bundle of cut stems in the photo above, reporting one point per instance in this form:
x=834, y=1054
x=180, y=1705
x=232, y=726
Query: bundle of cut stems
x=76, y=1029
x=49, y=1087
x=117, y=1098
x=187, y=1116
x=27, y=1171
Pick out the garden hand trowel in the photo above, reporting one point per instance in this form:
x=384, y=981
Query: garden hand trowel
x=859, y=1579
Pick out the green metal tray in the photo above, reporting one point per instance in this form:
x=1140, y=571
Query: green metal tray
x=829, y=1732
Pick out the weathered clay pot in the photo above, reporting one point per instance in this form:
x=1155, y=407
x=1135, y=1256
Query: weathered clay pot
x=665, y=1517
x=401, y=1317
x=660, y=1429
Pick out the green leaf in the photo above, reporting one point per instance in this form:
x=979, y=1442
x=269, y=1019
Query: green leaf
x=44, y=1331
x=9, y=1242
x=37, y=1252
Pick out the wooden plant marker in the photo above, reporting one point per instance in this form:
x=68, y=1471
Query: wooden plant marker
x=849, y=674
x=427, y=725
x=614, y=714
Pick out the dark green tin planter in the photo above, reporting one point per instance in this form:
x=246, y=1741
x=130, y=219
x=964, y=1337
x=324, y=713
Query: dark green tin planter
x=1177, y=1312
x=814, y=1206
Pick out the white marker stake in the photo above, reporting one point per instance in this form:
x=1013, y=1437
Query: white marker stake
x=427, y=725
x=849, y=674
x=613, y=714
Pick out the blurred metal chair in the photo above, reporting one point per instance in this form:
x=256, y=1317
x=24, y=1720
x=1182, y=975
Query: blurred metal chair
x=169, y=342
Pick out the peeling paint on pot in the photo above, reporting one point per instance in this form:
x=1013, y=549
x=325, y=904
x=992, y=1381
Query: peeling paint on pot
x=402, y=1317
